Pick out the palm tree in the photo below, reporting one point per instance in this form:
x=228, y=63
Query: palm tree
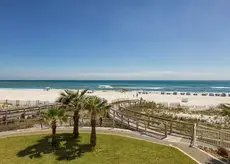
x=95, y=105
x=73, y=101
x=51, y=117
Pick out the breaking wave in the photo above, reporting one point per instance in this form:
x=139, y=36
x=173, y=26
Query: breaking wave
x=138, y=88
x=220, y=87
x=105, y=86
x=126, y=87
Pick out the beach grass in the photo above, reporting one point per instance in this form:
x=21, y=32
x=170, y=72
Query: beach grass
x=110, y=149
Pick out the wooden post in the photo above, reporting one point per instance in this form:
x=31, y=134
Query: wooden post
x=148, y=120
x=17, y=102
x=114, y=119
x=221, y=137
x=170, y=132
x=193, y=136
x=166, y=134
x=128, y=122
x=137, y=125
x=6, y=117
x=121, y=120
x=24, y=113
x=145, y=127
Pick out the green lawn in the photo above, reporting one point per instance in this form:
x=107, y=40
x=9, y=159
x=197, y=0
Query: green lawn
x=109, y=150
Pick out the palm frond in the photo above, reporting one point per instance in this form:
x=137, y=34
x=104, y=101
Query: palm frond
x=53, y=114
x=69, y=92
x=83, y=92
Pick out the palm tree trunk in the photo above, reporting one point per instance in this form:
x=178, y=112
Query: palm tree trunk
x=93, y=129
x=100, y=121
x=75, y=124
x=54, y=127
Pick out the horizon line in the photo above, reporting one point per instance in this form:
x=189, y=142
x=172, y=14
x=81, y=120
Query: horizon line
x=111, y=80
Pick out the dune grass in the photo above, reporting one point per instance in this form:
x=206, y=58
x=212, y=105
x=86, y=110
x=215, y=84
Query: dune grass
x=110, y=149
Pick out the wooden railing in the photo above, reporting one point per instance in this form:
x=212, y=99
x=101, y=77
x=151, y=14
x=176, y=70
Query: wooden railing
x=153, y=124
x=9, y=104
x=124, y=100
x=216, y=137
x=11, y=115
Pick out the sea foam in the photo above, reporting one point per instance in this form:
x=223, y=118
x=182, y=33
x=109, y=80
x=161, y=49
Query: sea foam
x=219, y=87
x=105, y=86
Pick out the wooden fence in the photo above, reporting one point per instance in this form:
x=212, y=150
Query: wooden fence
x=12, y=104
x=12, y=115
x=152, y=125
x=216, y=137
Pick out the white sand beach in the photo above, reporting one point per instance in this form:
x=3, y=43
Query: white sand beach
x=51, y=95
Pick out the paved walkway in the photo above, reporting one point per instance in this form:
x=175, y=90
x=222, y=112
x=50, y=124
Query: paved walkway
x=179, y=143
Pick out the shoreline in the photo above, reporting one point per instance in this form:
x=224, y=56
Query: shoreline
x=119, y=90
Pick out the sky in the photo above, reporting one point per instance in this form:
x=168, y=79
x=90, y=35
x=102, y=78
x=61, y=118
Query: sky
x=122, y=39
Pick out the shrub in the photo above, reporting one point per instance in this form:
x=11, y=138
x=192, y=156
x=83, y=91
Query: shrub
x=222, y=152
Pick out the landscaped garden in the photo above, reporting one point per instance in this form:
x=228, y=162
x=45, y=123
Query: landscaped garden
x=110, y=149
x=83, y=148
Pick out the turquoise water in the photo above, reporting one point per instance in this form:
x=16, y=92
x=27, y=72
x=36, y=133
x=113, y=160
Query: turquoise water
x=153, y=85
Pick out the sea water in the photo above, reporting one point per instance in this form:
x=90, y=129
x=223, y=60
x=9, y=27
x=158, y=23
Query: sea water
x=150, y=85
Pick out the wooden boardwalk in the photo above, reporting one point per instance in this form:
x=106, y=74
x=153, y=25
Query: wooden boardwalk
x=152, y=125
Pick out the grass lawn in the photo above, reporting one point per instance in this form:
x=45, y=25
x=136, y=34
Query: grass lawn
x=110, y=149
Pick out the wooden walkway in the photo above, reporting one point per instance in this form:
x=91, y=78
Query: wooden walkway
x=150, y=124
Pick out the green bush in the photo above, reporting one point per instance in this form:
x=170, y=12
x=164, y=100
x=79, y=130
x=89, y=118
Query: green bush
x=223, y=152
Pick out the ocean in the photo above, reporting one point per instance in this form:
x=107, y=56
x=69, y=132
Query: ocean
x=150, y=85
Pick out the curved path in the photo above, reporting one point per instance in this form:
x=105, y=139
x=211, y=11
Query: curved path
x=194, y=153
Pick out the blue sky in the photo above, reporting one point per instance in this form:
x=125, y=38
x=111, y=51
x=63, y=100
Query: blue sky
x=123, y=39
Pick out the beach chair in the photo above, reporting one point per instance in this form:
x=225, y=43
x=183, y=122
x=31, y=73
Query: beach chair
x=174, y=105
x=184, y=100
x=174, y=93
x=211, y=94
x=188, y=93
